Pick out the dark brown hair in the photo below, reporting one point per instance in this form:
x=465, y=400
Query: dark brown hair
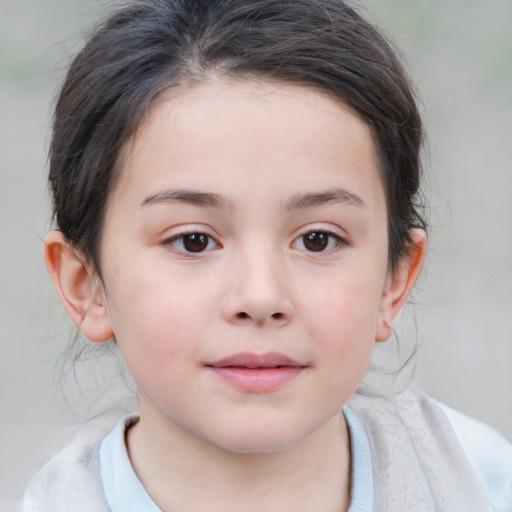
x=151, y=46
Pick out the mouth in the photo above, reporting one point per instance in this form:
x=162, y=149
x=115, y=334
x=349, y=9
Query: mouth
x=255, y=361
x=257, y=372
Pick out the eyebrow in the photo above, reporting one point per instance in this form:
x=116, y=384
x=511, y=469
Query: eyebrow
x=325, y=197
x=187, y=196
x=297, y=202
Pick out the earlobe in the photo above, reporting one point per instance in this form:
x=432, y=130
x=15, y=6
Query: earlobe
x=400, y=283
x=75, y=286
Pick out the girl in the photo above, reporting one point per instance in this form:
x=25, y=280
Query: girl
x=235, y=187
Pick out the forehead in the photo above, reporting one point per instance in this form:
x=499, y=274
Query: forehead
x=221, y=133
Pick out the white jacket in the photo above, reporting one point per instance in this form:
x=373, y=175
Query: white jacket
x=418, y=463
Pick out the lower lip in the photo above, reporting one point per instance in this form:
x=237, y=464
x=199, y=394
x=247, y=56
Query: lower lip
x=257, y=380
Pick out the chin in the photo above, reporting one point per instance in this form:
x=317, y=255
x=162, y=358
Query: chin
x=262, y=439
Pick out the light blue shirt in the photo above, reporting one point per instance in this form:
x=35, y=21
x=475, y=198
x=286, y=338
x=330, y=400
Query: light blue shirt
x=123, y=490
x=489, y=453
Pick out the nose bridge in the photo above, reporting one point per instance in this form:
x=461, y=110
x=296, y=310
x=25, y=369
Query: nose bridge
x=258, y=290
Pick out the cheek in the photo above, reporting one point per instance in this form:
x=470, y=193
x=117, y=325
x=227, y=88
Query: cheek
x=152, y=319
x=345, y=306
x=345, y=338
x=343, y=327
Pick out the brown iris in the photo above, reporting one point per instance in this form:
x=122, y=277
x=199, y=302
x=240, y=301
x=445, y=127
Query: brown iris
x=316, y=241
x=195, y=242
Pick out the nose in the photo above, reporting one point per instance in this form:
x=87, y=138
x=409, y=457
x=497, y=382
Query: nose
x=258, y=293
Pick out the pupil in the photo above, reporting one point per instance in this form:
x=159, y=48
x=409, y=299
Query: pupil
x=196, y=242
x=316, y=241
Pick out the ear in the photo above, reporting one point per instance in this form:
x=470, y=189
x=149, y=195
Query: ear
x=77, y=288
x=400, y=283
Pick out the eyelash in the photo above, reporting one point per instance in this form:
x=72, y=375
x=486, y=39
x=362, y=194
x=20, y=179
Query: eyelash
x=203, y=238
x=174, y=240
x=331, y=237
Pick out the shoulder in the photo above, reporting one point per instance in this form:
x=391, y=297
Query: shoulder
x=489, y=453
x=455, y=451
x=71, y=480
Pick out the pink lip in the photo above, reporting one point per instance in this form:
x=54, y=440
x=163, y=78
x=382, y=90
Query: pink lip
x=257, y=372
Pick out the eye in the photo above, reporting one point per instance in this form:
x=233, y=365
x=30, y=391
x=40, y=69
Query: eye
x=191, y=243
x=318, y=241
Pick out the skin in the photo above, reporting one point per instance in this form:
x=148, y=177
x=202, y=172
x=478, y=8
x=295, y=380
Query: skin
x=264, y=150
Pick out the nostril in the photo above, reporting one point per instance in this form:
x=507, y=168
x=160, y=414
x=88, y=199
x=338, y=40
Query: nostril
x=242, y=315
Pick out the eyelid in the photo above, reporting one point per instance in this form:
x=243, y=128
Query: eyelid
x=326, y=227
x=188, y=229
x=183, y=231
x=341, y=238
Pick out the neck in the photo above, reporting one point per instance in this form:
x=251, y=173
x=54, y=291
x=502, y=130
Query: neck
x=183, y=472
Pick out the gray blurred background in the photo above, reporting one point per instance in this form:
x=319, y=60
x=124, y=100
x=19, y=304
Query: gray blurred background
x=460, y=54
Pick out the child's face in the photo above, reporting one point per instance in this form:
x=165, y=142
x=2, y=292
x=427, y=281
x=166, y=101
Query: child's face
x=247, y=222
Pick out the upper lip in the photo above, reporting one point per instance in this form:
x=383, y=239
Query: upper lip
x=250, y=360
